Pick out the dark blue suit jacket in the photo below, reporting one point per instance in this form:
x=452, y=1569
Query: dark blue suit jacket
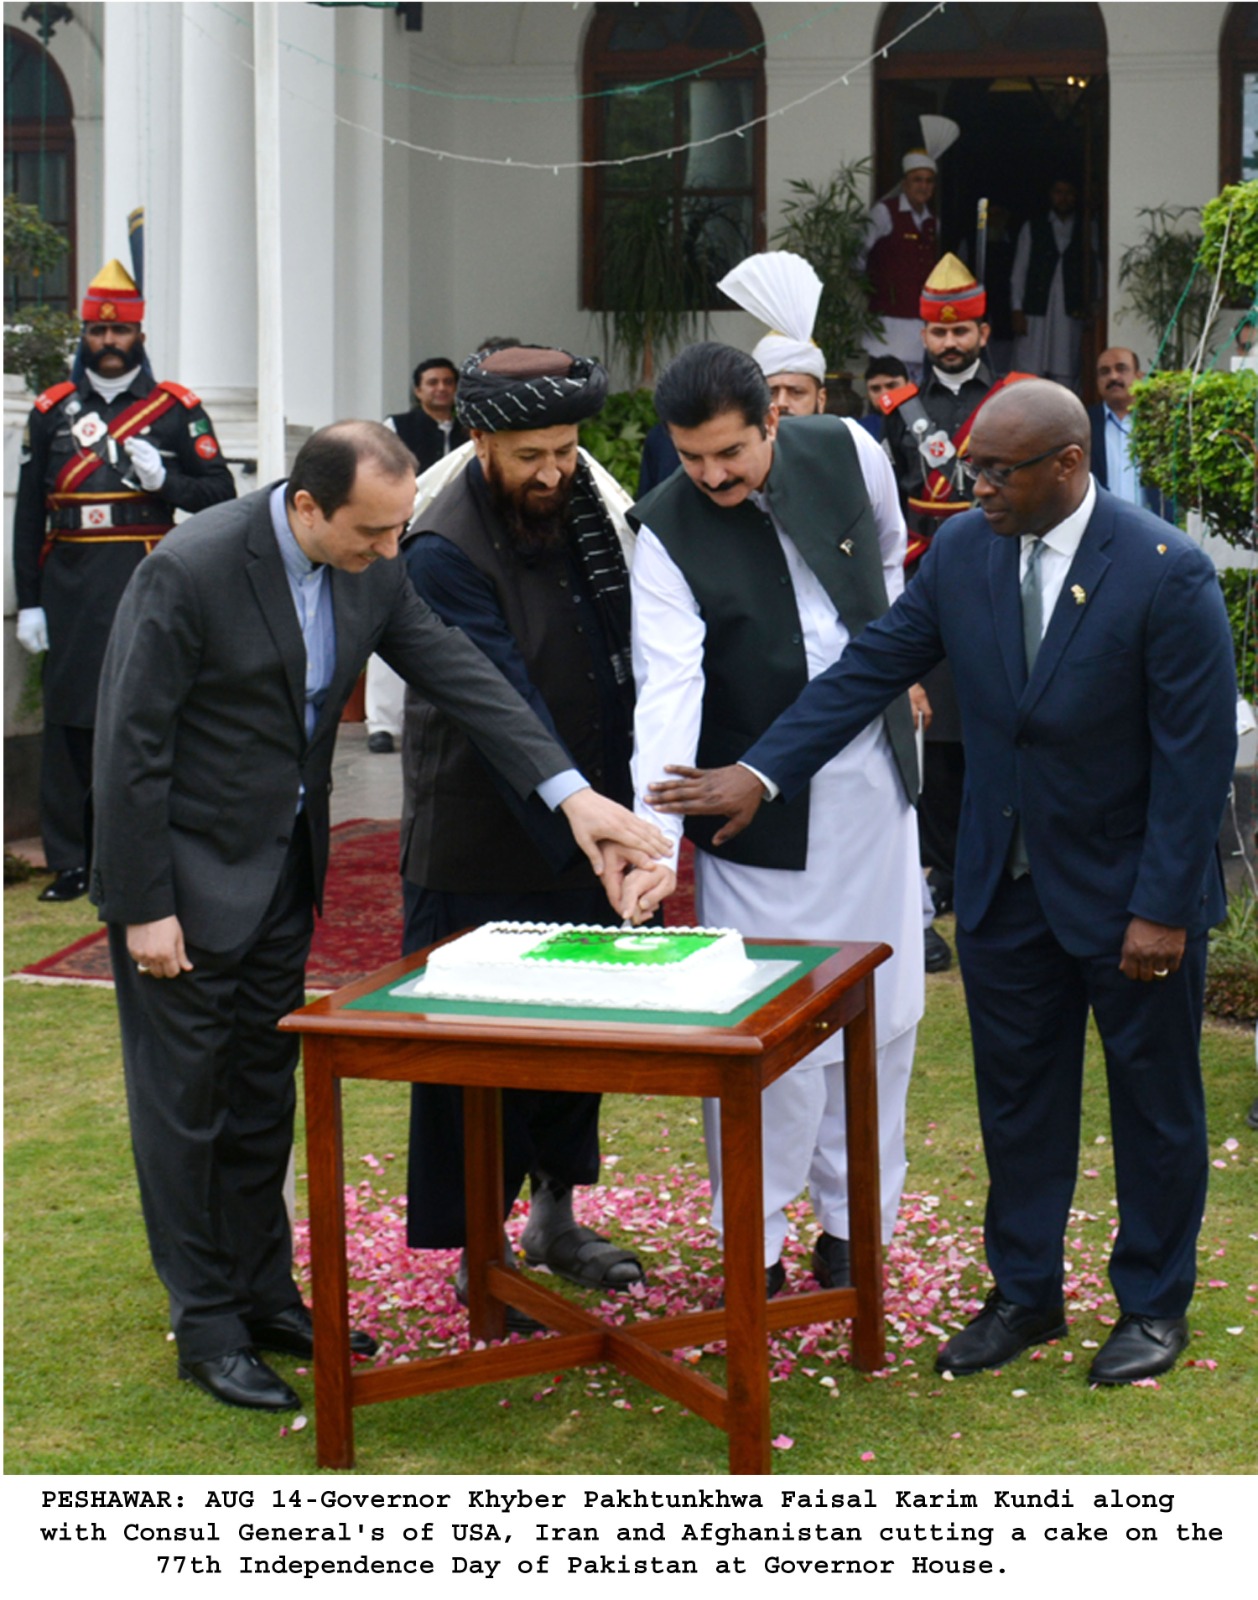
x=1154, y=500
x=1117, y=754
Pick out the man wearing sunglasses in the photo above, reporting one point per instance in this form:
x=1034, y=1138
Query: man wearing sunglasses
x=1094, y=671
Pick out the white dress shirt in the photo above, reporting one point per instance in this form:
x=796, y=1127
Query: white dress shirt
x=1060, y=545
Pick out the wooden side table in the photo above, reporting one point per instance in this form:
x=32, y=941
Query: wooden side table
x=362, y=1031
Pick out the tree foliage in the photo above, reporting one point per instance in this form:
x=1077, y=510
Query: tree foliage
x=615, y=437
x=1194, y=439
x=38, y=341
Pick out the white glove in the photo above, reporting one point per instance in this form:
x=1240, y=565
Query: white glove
x=32, y=629
x=150, y=469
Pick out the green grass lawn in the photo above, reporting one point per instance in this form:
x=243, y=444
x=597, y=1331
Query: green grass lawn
x=90, y=1371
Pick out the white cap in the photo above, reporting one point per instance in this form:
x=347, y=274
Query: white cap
x=938, y=134
x=782, y=290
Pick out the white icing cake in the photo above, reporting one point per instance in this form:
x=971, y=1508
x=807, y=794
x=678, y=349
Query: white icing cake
x=656, y=969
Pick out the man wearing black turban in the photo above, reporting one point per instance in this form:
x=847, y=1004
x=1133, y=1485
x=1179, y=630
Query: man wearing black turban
x=522, y=551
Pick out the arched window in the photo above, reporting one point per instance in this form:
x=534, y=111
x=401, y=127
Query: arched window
x=39, y=159
x=691, y=71
x=1238, y=95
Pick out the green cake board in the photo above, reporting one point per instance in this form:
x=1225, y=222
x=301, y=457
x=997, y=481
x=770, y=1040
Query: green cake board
x=802, y=960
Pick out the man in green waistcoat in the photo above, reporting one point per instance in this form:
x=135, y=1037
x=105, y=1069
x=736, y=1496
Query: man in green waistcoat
x=778, y=542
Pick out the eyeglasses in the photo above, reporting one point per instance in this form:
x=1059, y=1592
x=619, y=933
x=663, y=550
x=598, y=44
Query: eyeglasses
x=998, y=477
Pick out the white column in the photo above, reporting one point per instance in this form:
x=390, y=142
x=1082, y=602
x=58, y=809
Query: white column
x=308, y=213
x=362, y=40
x=270, y=323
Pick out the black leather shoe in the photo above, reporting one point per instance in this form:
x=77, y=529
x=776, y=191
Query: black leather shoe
x=938, y=955
x=774, y=1280
x=832, y=1262
x=1251, y=1116
x=68, y=885
x=1001, y=1331
x=380, y=744
x=1139, y=1347
x=291, y=1333
x=241, y=1379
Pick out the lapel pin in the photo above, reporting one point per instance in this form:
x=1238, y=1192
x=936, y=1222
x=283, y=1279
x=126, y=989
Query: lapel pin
x=1161, y=549
x=846, y=547
x=1078, y=593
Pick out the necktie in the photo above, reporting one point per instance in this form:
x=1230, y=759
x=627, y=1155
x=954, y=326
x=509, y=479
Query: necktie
x=1032, y=629
x=1032, y=605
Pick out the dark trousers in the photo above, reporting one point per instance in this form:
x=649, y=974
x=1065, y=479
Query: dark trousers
x=1028, y=1001
x=547, y=1130
x=65, y=778
x=211, y=1096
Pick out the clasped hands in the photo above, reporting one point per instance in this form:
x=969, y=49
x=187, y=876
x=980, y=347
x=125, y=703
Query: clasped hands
x=731, y=792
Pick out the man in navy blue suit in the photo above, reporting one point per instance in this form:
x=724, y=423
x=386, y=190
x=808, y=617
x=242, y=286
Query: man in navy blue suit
x=1112, y=463
x=1094, y=670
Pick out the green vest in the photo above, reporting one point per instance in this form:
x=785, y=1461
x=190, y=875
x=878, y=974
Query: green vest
x=753, y=654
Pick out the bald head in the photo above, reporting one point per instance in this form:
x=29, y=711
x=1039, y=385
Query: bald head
x=1035, y=439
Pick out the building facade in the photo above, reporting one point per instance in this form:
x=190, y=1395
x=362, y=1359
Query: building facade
x=425, y=189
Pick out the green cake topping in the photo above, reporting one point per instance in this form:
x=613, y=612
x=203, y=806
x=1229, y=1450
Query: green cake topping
x=619, y=947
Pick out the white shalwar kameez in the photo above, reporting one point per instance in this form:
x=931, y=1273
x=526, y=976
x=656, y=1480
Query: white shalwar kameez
x=862, y=879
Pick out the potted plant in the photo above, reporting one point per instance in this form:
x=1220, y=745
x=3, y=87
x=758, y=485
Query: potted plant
x=1165, y=286
x=655, y=284
x=826, y=223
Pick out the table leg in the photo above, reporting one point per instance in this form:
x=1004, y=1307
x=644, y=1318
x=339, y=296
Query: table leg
x=860, y=1069
x=483, y=1198
x=746, y=1350
x=334, y=1411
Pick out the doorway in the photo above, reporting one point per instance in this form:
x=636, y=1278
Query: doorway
x=1027, y=86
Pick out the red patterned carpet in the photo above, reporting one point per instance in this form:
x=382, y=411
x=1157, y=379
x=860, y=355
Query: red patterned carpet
x=361, y=926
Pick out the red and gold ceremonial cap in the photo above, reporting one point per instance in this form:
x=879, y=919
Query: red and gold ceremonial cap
x=112, y=296
x=952, y=294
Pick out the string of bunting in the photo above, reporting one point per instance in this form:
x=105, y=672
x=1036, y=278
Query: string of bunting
x=623, y=89
x=843, y=79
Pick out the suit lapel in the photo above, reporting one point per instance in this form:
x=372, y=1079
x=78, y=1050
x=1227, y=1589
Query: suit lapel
x=349, y=598
x=265, y=571
x=1087, y=573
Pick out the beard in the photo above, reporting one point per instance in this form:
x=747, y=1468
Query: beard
x=536, y=521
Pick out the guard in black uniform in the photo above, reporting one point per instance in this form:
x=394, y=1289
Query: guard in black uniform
x=107, y=458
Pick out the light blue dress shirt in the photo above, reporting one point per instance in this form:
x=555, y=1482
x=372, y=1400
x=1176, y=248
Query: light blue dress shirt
x=312, y=597
x=1120, y=469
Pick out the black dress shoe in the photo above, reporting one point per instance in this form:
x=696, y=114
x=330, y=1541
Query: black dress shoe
x=240, y=1379
x=1251, y=1116
x=380, y=744
x=832, y=1262
x=938, y=955
x=68, y=885
x=1139, y=1347
x=774, y=1280
x=291, y=1333
x=1000, y=1331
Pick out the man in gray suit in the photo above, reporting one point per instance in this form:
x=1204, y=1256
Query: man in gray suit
x=235, y=648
